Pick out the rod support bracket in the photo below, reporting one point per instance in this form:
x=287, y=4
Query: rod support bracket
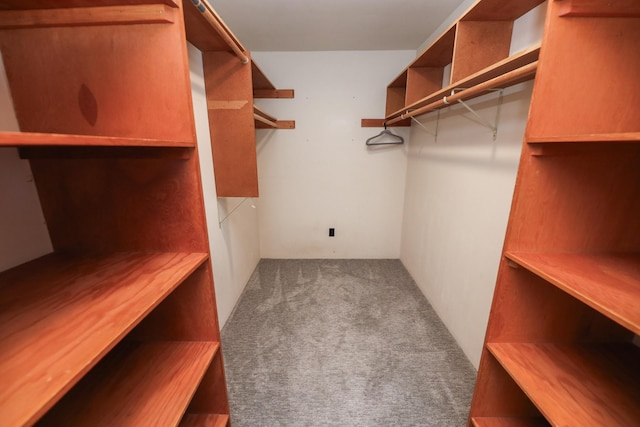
x=479, y=119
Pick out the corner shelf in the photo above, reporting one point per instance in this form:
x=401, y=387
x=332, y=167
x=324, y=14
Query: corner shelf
x=160, y=379
x=61, y=314
x=577, y=384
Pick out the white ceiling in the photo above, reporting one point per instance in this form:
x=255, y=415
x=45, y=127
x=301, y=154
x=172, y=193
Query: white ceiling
x=306, y=25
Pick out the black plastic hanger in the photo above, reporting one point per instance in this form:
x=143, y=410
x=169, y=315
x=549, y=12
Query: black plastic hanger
x=397, y=138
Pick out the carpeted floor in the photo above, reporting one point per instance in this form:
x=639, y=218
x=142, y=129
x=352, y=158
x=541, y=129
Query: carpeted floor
x=341, y=343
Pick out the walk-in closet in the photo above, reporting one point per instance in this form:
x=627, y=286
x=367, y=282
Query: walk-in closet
x=246, y=213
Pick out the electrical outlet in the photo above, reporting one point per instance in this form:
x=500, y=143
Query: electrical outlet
x=332, y=232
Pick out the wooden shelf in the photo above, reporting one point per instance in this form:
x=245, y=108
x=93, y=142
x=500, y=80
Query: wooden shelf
x=477, y=48
x=518, y=60
x=609, y=283
x=30, y=139
x=497, y=10
x=55, y=4
x=157, y=381
x=203, y=35
x=205, y=420
x=264, y=120
x=262, y=86
x=61, y=314
x=258, y=79
x=577, y=384
x=509, y=422
x=439, y=53
x=596, y=137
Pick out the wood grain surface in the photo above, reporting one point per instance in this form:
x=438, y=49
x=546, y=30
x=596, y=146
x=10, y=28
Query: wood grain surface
x=60, y=315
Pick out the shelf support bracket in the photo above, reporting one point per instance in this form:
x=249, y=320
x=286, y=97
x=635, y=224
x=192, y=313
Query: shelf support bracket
x=434, y=133
x=479, y=119
x=221, y=221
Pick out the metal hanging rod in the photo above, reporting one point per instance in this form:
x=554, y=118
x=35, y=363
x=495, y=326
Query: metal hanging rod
x=212, y=18
x=516, y=76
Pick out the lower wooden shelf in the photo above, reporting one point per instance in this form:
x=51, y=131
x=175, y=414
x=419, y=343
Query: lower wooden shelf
x=139, y=384
x=61, y=314
x=508, y=422
x=581, y=384
x=205, y=420
x=609, y=283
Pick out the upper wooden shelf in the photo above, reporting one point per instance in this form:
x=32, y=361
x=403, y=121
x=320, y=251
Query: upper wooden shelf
x=581, y=384
x=204, y=36
x=609, y=283
x=264, y=120
x=31, y=139
x=501, y=68
x=262, y=86
x=159, y=379
x=259, y=80
x=61, y=314
x=440, y=52
x=499, y=10
x=86, y=16
x=476, y=47
x=516, y=69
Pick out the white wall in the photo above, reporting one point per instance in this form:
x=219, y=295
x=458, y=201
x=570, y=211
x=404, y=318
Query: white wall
x=321, y=174
x=23, y=232
x=457, y=202
x=232, y=223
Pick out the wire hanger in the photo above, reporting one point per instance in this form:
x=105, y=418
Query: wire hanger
x=397, y=138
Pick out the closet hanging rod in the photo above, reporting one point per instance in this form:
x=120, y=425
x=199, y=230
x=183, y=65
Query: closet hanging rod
x=212, y=18
x=507, y=79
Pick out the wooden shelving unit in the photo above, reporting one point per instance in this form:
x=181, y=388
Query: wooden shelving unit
x=118, y=326
x=476, y=47
x=231, y=87
x=515, y=69
x=561, y=346
x=84, y=306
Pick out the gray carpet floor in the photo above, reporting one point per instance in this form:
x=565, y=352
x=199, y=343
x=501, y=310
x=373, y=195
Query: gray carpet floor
x=341, y=343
